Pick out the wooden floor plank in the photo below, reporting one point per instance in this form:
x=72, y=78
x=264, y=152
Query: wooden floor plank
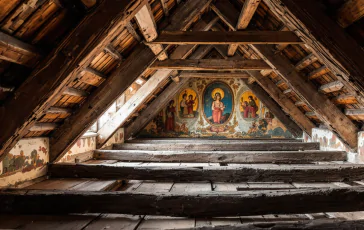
x=115, y=222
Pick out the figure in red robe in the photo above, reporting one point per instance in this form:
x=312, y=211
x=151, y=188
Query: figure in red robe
x=190, y=104
x=217, y=108
x=171, y=110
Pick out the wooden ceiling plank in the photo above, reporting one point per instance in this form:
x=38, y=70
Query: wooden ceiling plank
x=59, y=110
x=16, y=51
x=141, y=96
x=41, y=127
x=334, y=48
x=129, y=70
x=306, y=61
x=162, y=100
x=148, y=27
x=43, y=87
x=318, y=72
x=210, y=64
x=246, y=14
x=75, y=92
x=331, y=87
x=226, y=37
x=350, y=12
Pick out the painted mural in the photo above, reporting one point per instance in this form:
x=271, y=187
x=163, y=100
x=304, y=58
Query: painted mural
x=361, y=147
x=27, y=160
x=215, y=108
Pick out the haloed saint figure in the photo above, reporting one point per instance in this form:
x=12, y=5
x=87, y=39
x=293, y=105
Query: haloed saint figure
x=218, y=103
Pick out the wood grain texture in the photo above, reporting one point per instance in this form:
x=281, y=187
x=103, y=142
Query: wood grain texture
x=201, y=204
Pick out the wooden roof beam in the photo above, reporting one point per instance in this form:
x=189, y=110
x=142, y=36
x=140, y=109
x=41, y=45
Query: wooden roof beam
x=113, y=53
x=16, y=51
x=42, y=127
x=129, y=70
x=75, y=92
x=148, y=27
x=355, y=114
x=165, y=7
x=190, y=74
x=62, y=66
x=59, y=110
x=331, y=87
x=306, y=61
x=337, y=51
x=318, y=73
x=211, y=64
x=345, y=99
x=226, y=37
x=350, y=12
x=246, y=14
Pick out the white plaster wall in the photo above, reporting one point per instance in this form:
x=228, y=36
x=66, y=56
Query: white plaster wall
x=83, y=145
x=118, y=137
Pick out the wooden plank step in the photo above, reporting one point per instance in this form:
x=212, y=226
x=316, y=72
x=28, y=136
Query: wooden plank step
x=251, y=146
x=296, y=157
x=326, y=224
x=236, y=173
x=209, y=140
x=199, y=204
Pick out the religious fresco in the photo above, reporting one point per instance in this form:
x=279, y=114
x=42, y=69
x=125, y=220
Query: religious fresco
x=188, y=103
x=223, y=108
x=25, y=161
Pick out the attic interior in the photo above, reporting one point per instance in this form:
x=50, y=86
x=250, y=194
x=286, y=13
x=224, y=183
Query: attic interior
x=181, y=114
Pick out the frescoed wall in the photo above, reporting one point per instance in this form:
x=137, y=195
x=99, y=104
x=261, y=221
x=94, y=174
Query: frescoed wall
x=26, y=161
x=118, y=137
x=361, y=147
x=215, y=108
x=82, y=150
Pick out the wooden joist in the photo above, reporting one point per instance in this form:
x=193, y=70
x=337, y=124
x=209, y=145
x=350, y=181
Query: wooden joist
x=62, y=66
x=345, y=99
x=148, y=27
x=129, y=70
x=306, y=61
x=287, y=91
x=327, y=111
x=355, y=114
x=246, y=146
x=190, y=74
x=165, y=7
x=209, y=140
x=16, y=51
x=331, y=87
x=337, y=51
x=237, y=173
x=91, y=77
x=41, y=127
x=210, y=64
x=293, y=157
x=273, y=107
x=113, y=53
x=318, y=73
x=322, y=224
x=202, y=204
x=300, y=103
x=75, y=92
x=311, y=114
x=226, y=37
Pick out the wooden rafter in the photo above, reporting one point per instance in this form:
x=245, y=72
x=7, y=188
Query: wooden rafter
x=62, y=66
x=129, y=70
x=16, y=51
x=148, y=27
x=350, y=12
x=150, y=112
x=214, y=64
x=226, y=37
x=246, y=14
x=190, y=74
x=339, y=52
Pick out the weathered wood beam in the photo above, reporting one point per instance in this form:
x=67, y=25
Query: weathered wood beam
x=326, y=110
x=299, y=103
x=190, y=74
x=356, y=114
x=338, y=52
x=287, y=91
x=62, y=66
x=306, y=61
x=41, y=127
x=311, y=114
x=151, y=111
x=75, y=92
x=247, y=146
x=246, y=14
x=129, y=70
x=288, y=106
x=113, y=53
x=226, y=37
x=350, y=12
x=132, y=31
x=211, y=64
x=209, y=140
x=331, y=87
x=273, y=107
x=91, y=77
x=345, y=99
x=155, y=81
x=278, y=157
x=203, y=204
x=246, y=173
x=148, y=27
x=16, y=51
x=322, y=224
x=59, y=110
x=165, y=7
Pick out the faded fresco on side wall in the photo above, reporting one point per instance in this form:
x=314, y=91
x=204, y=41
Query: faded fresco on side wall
x=215, y=108
x=27, y=160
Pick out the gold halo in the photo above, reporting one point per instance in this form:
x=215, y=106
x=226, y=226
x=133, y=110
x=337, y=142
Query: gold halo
x=218, y=90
